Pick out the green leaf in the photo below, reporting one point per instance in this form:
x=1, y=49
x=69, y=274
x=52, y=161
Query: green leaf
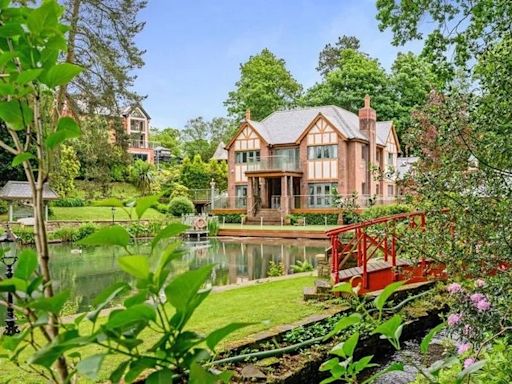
x=344, y=323
x=163, y=376
x=114, y=235
x=140, y=297
x=199, y=375
x=129, y=316
x=28, y=76
x=67, y=128
x=363, y=363
x=135, y=265
x=104, y=298
x=144, y=203
x=183, y=288
x=117, y=374
x=171, y=230
x=11, y=342
x=21, y=157
x=172, y=252
x=346, y=348
x=69, y=124
x=428, y=338
x=381, y=299
x=50, y=304
x=34, y=284
x=389, y=328
x=345, y=287
x=27, y=264
x=11, y=29
x=90, y=366
x=218, y=335
x=471, y=369
x=391, y=368
x=44, y=17
x=60, y=74
x=12, y=285
x=137, y=367
x=17, y=115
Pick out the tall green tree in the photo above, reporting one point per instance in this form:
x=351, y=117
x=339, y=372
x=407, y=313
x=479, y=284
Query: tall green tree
x=330, y=56
x=265, y=85
x=357, y=75
x=195, y=173
x=411, y=80
x=62, y=179
x=101, y=39
x=169, y=138
x=201, y=136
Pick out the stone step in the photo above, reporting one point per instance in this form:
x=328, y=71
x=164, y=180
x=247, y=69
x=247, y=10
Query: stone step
x=323, y=286
x=311, y=293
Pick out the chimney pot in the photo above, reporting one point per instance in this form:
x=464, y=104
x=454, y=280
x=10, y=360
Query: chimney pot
x=248, y=114
x=367, y=101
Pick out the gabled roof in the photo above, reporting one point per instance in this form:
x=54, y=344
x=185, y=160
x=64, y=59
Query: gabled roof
x=383, y=128
x=285, y=127
x=20, y=190
x=220, y=153
x=130, y=108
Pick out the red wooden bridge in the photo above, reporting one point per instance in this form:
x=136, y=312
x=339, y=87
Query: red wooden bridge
x=368, y=253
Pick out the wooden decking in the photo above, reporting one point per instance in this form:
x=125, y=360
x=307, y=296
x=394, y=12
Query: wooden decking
x=373, y=266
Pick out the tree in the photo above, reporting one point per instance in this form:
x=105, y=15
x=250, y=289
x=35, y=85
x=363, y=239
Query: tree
x=195, y=173
x=7, y=171
x=219, y=174
x=411, y=80
x=202, y=137
x=142, y=175
x=169, y=138
x=330, y=56
x=346, y=86
x=62, y=179
x=101, y=40
x=265, y=86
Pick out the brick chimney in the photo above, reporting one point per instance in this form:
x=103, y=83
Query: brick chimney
x=247, y=114
x=367, y=125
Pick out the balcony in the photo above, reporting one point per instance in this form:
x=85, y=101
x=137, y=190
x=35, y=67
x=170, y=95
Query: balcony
x=139, y=143
x=274, y=164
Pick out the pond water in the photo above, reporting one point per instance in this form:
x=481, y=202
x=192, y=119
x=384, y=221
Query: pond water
x=87, y=271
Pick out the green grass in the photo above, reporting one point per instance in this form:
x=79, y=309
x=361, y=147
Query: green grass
x=119, y=190
x=279, y=227
x=267, y=304
x=98, y=213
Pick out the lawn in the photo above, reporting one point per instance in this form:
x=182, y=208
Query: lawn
x=267, y=304
x=98, y=213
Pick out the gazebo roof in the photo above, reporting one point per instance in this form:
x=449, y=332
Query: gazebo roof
x=20, y=190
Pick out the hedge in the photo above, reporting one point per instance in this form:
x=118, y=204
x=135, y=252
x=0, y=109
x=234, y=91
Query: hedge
x=230, y=218
x=70, y=202
x=315, y=218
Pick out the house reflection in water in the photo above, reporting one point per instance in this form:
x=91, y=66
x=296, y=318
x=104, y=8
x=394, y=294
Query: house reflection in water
x=240, y=260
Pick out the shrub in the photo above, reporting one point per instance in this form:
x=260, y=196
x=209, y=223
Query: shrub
x=139, y=230
x=181, y=205
x=302, y=266
x=384, y=210
x=25, y=234
x=4, y=207
x=232, y=218
x=72, y=234
x=314, y=218
x=162, y=208
x=69, y=202
x=65, y=234
x=275, y=269
x=84, y=230
x=213, y=226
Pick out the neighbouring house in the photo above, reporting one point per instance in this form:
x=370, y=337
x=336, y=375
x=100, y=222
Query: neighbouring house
x=136, y=124
x=300, y=159
x=221, y=154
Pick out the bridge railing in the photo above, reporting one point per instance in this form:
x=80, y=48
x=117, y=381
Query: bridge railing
x=364, y=241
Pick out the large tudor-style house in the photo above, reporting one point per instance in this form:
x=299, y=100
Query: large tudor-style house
x=299, y=159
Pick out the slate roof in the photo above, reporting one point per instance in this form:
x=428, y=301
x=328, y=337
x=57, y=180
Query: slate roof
x=20, y=190
x=220, y=153
x=285, y=127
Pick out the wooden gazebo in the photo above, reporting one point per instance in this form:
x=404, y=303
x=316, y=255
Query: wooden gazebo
x=20, y=191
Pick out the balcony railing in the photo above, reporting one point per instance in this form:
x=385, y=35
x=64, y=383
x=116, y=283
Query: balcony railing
x=274, y=163
x=137, y=143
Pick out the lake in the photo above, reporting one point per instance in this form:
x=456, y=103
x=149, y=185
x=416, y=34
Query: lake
x=87, y=271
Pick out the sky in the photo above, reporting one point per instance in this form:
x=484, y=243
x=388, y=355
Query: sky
x=194, y=48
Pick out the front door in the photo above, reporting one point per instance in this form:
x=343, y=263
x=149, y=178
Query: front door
x=274, y=192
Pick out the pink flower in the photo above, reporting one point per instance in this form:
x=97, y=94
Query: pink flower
x=479, y=283
x=454, y=319
x=454, y=288
x=468, y=362
x=463, y=348
x=476, y=297
x=483, y=305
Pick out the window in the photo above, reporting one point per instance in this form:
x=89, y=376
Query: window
x=391, y=158
x=323, y=152
x=391, y=190
x=241, y=196
x=247, y=157
x=136, y=125
x=321, y=195
x=377, y=189
x=379, y=155
x=364, y=152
